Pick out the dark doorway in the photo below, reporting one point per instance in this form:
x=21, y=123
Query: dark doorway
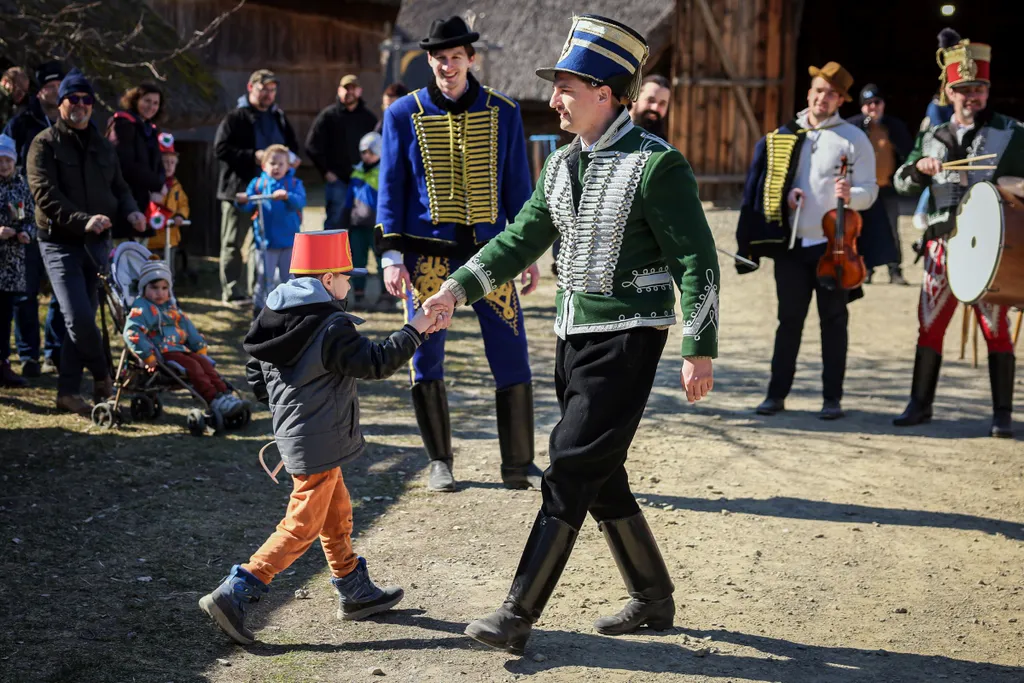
x=892, y=43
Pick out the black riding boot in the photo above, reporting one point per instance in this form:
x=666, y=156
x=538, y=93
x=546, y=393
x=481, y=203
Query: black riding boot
x=544, y=557
x=515, y=437
x=1000, y=372
x=430, y=402
x=643, y=569
x=922, y=391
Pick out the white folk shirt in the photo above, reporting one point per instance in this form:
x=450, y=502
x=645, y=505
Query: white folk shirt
x=817, y=168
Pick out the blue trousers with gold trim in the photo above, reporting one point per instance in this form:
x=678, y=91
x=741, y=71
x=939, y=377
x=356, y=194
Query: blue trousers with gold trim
x=499, y=314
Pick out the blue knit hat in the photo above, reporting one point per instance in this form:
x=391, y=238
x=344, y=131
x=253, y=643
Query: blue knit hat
x=603, y=51
x=7, y=148
x=74, y=82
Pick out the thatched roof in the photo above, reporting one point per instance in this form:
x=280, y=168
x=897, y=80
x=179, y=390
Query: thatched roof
x=531, y=32
x=106, y=39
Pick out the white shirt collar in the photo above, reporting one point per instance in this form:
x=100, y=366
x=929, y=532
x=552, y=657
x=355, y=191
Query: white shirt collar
x=619, y=128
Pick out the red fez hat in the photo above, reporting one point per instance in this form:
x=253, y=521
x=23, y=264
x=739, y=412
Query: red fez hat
x=323, y=251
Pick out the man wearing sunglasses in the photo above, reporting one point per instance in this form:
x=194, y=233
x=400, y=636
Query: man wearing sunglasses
x=892, y=143
x=76, y=181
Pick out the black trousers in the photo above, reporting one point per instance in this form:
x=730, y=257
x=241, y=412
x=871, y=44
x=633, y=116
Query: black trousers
x=603, y=382
x=795, y=281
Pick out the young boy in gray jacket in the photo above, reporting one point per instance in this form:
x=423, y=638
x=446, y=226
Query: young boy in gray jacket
x=306, y=357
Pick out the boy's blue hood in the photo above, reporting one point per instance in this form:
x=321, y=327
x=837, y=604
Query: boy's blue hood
x=295, y=311
x=300, y=291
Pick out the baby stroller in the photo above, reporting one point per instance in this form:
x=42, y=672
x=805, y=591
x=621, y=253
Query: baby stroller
x=131, y=377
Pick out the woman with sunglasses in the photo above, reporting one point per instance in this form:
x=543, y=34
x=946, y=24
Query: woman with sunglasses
x=76, y=182
x=134, y=134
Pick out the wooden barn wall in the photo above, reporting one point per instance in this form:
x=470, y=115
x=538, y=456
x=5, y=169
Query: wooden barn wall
x=706, y=120
x=309, y=54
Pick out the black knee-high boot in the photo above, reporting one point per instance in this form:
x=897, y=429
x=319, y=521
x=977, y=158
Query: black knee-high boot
x=1000, y=373
x=922, y=390
x=515, y=436
x=430, y=402
x=544, y=557
x=643, y=569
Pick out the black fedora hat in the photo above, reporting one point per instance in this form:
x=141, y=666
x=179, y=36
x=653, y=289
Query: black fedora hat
x=448, y=33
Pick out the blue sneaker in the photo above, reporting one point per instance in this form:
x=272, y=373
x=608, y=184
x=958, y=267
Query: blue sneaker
x=361, y=598
x=226, y=605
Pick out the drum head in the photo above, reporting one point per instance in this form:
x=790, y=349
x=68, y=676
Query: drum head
x=972, y=257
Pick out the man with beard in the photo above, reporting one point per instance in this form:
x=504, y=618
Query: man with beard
x=650, y=111
x=13, y=93
x=633, y=229
x=76, y=181
x=792, y=183
x=333, y=144
x=453, y=172
x=241, y=137
x=974, y=130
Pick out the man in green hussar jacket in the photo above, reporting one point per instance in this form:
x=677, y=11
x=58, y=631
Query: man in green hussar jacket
x=626, y=207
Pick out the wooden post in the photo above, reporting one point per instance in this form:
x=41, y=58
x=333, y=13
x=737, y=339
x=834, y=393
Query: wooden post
x=716, y=39
x=774, y=63
x=965, y=327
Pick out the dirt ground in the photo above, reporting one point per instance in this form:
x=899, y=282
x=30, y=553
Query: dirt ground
x=802, y=551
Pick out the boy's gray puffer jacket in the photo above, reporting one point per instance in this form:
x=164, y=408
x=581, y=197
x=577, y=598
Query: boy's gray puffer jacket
x=306, y=358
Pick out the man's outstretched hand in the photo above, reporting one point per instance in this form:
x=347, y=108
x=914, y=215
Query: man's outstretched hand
x=442, y=302
x=697, y=378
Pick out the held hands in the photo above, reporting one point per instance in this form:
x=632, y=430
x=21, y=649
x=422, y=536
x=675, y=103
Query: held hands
x=24, y=238
x=279, y=195
x=138, y=221
x=843, y=189
x=929, y=166
x=7, y=233
x=796, y=195
x=98, y=224
x=330, y=177
x=697, y=378
x=530, y=279
x=397, y=280
x=428, y=322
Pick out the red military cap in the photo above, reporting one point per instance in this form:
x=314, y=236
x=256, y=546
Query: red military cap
x=323, y=251
x=963, y=64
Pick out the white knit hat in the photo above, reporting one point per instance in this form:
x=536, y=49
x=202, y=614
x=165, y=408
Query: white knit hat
x=152, y=271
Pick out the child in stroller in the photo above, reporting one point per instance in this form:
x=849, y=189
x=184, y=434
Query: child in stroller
x=156, y=328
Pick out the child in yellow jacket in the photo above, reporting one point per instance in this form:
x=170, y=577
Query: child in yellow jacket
x=172, y=198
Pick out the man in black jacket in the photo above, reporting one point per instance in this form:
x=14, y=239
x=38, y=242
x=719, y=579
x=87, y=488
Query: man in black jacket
x=76, y=181
x=333, y=144
x=892, y=143
x=241, y=138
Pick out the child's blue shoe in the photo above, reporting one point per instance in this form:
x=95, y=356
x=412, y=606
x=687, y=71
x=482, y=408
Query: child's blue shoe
x=361, y=598
x=227, y=604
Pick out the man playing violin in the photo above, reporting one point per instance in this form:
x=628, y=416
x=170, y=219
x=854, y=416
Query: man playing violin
x=973, y=131
x=791, y=186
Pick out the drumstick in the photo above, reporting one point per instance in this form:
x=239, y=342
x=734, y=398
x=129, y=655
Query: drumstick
x=970, y=159
x=946, y=167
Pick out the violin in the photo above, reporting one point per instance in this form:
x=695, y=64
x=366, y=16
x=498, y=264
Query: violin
x=841, y=267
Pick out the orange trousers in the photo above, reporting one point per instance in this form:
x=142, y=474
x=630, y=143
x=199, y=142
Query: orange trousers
x=319, y=507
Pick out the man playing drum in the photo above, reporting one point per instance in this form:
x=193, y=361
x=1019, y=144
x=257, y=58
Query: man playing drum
x=974, y=131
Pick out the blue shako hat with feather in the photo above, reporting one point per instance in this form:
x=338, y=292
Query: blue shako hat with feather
x=603, y=51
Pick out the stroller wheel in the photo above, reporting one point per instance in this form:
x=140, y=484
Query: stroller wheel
x=240, y=420
x=142, y=407
x=215, y=419
x=103, y=415
x=196, y=422
x=158, y=407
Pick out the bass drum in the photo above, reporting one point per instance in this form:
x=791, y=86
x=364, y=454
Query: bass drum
x=985, y=255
